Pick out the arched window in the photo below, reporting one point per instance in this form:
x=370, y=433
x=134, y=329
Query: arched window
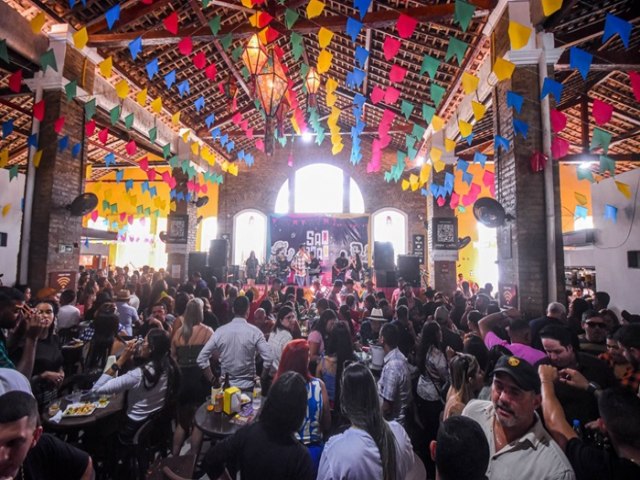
x=390, y=225
x=319, y=188
x=250, y=233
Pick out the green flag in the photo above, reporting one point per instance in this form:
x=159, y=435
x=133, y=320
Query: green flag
x=153, y=134
x=48, y=59
x=456, y=47
x=225, y=41
x=428, y=112
x=296, y=45
x=166, y=150
x=406, y=108
x=418, y=131
x=463, y=14
x=128, y=121
x=437, y=92
x=114, y=114
x=290, y=18
x=71, y=89
x=214, y=24
x=607, y=165
x=429, y=65
x=600, y=138
x=410, y=140
x=90, y=108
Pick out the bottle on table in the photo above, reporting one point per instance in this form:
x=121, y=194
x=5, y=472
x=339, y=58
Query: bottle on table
x=257, y=395
x=219, y=400
x=227, y=384
x=215, y=389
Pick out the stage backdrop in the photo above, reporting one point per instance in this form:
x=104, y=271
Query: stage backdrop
x=326, y=235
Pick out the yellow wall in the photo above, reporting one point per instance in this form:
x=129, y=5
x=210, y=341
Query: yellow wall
x=569, y=186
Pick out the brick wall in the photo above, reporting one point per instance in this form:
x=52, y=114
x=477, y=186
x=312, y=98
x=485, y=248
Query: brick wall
x=59, y=179
x=257, y=187
x=189, y=209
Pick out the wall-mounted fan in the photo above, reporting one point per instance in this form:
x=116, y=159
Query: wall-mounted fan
x=489, y=212
x=83, y=204
x=463, y=242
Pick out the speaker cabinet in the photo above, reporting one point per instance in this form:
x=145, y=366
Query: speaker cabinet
x=197, y=263
x=409, y=269
x=383, y=256
x=218, y=253
x=386, y=279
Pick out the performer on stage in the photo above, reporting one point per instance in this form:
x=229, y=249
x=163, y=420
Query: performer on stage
x=282, y=266
x=252, y=266
x=315, y=269
x=340, y=266
x=356, y=267
x=299, y=265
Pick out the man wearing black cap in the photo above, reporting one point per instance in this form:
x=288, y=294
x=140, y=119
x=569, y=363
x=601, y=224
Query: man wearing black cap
x=517, y=440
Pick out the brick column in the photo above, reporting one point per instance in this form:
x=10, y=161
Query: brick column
x=178, y=253
x=55, y=234
x=441, y=264
x=523, y=254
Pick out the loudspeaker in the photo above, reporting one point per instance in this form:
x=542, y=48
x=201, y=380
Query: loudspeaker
x=383, y=256
x=218, y=253
x=197, y=263
x=409, y=269
x=386, y=279
x=220, y=273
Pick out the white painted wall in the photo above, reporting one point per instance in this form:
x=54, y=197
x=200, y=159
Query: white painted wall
x=614, y=240
x=11, y=192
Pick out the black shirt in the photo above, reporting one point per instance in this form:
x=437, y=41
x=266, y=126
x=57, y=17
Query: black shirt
x=538, y=324
x=53, y=459
x=406, y=343
x=341, y=262
x=259, y=454
x=580, y=404
x=450, y=339
x=592, y=463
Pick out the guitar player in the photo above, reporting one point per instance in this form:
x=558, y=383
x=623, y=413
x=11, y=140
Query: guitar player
x=299, y=265
x=315, y=269
x=340, y=266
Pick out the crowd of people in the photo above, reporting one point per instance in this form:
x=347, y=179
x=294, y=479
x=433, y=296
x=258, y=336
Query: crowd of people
x=421, y=384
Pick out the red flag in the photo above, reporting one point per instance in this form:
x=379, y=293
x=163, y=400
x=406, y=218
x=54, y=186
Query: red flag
x=103, y=135
x=211, y=71
x=171, y=23
x=200, y=60
x=131, y=148
x=15, y=81
x=58, y=125
x=185, y=46
x=38, y=110
x=90, y=127
x=406, y=25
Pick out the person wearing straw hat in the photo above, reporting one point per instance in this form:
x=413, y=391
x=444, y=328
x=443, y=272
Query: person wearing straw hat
x=127, y=314
x=370, y=328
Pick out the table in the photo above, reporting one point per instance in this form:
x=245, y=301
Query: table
x=116, y=405
x=213, y=424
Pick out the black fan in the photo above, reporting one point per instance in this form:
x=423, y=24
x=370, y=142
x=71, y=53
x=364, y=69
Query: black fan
x=489, y=212
x=163, y=237
x=463, y=242
x=200, y=218
x=83, y=204
x=202, y=201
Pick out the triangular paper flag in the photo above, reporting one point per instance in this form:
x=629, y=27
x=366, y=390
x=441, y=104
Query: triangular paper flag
x=613, y=25
x=114, y=114
x=550, y=86
x=465, y=128
x=558, y=120
x=37, y=157
x=607, y=165
x=514, y=100
x=290, y=17
x=112, y=15
x=429, y=65
x=4, y=157
x=428, y=112
x=600, y=138
x=214, y=24
x=37, y=22
x=449, y=145
x=610, y=213
x=324, y=37
x=156, y=105
x=122, y=89
x=175, y=118
x=437, y=92
x=580, y=212
x=128, y=121
x=469, y=83
x=390, y=47
x=397, y=73
x=503, y=69
x=362, y=6
x=171, y=23
x=353, y=28
x=15, y=81
x=559, y=148
x=90, y=109
x=135, y=47
x=518, y=35
x=580, y=198
x=624, y=189
x=48, y=59
x=80, y=38
x=549, y=7
x=580, y=60
x=601, y=111
x=463, y=14
x=478, y=110
x=105, y=67
x=141, y=97
x=406, y=25
x=437, y=123
x=324, y=60
x=314, y=9
x=456, y=48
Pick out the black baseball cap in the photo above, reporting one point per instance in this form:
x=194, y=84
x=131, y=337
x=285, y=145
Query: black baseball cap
x=521, y=371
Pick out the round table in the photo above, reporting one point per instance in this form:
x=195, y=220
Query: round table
x=217, y=425
x=116, y=404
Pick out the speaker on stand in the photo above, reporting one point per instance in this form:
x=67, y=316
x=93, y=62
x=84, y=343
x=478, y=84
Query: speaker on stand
x=383, y=256
x=409, y=269
x=218, y=249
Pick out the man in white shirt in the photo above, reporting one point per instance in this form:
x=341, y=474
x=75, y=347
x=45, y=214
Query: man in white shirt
x=134, y=301
x=68, y=314
x=128, y=315
x=394, y=386
x=519, y=445
x=235, y=346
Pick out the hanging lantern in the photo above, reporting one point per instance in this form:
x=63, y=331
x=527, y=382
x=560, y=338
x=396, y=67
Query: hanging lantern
x=312, y=82
x=254, y=55
x=271, y=85
x=231, y=87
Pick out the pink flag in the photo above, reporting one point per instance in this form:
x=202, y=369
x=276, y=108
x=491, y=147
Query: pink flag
x=559, y=148
x=406, y=25
x=397, y=73
x=377, y=94
x=602, y=111
x=391, y=47
x=558, y=121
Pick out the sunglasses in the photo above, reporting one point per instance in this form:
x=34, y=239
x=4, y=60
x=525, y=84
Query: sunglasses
x=596, y=325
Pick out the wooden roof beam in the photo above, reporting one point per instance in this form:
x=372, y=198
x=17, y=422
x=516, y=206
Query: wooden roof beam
x=605, y=61
x=335, y=23
x=129, y=13
x=592, y=30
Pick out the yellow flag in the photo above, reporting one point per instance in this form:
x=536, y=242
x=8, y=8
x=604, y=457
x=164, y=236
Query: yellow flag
x=5, y=209
x=518, y=35
x=437, y=123
x=314, y=8
x=185, y=135
x=175, y=118
x=449, y=145
x=156, y=105
x=36, y=158
x=4, y=157
x=331, y=99
x=580, y=198
x=173, y=206
x=38, y=22
x=438, y=166
x=465, y=128
x=89, y=171
x=469, y=83
x=337, y=148
x=413, y=180
x=195, y=148
x=105, y=67
x=247, y=3
x=324, y=60
x=296, y=127
x=224, y=166
x=503, y=68
x=425, y=173
x=624, y=189
x=324, y=37
x=122, y=89
x=141, y=97
x=549, y=7
x=233, y=169
x=80, y=38
x=331, y=85
x=478, y=110
x=405, y=184
x=436, y=154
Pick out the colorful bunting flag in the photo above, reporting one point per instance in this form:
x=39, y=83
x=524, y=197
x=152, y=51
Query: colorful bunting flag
x=503, y=69
x=552, y=87
x=610, y=213
x=135, y=47
x=112, y=15
x=80, y=38
x=429, y=65
x=390, y=47
x=314, y=9
x=549, y=7
x=624, y=189
x=456, y=48
x=463, y=14
x=518, y=35
x=406, y=25
x=580, y=60
x=37, y=22
x=616, y=25
x=601, y=111
x=558, y=120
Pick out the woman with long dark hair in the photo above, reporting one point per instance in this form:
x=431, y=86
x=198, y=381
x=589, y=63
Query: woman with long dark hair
x=434, y=376
x=467, y=379
x=371, y=447
x=149, y=386
x=320, y=334
x=339, y=350
x=281, y=335
x=105, y=342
